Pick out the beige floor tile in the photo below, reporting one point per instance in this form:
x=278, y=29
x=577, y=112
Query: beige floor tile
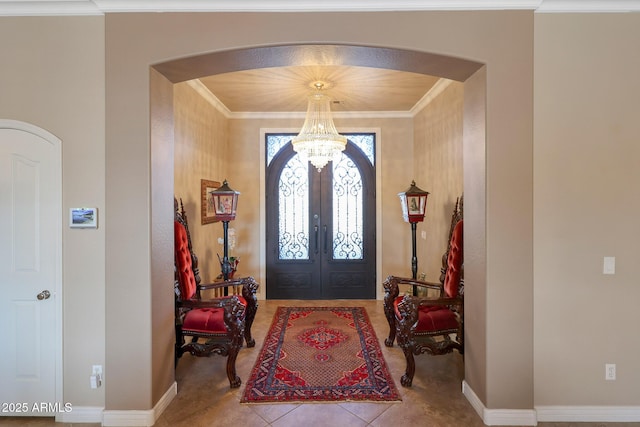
x=204, y=398
x=319, y=415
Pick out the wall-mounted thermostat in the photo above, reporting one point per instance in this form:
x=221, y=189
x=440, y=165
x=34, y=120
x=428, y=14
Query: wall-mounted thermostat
x=83, y=218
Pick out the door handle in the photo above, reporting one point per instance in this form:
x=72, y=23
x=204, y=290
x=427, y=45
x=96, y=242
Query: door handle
x=315, y=228
x=43, y=295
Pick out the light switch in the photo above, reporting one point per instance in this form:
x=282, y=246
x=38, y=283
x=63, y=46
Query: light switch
x=609, y=265
x=423, y=234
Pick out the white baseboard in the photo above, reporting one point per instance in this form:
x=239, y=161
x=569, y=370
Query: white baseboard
x=81, y=414
x=526, y=417
x=137, y=418
x=499, y=417
x=490, y=417
x=589, y=413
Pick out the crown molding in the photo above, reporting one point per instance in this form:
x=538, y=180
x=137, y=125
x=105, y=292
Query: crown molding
x=213, y=100
x=312, y=5
x=101, y=7
x=49, y=8
x=588, y=6
x=432, y=94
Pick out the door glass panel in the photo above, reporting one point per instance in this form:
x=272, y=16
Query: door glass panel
x=274, y=143
x=365, y=143
x=293, y=198
x=348, y=210
x=320, y=227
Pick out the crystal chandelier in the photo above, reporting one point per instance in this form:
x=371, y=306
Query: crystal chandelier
x=319, y=141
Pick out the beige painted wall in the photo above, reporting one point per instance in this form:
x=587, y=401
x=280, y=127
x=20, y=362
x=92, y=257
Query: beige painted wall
x=583, y=185
x=586, y=204
x=481, y=36
x=437, y=166
x=162, y=232
x=475, y=232
x=52, y=73
x=201, y=141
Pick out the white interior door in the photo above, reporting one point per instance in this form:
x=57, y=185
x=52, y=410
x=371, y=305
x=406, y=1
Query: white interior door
x=30, y=269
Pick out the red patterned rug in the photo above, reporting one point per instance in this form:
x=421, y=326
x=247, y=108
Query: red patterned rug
x=320, y=354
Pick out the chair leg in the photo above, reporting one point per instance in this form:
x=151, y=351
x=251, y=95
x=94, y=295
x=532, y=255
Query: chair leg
x=392, y=330
x=176, y=356
x=249, y=317
x=179, y=344
x=249, y=288
x=407, y=378
x=461, y=336
x=391, y=293
x=234, y=379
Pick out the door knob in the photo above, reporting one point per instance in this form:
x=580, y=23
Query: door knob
x=44, y=295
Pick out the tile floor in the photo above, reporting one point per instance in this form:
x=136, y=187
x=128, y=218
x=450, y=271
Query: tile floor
x=205, y=400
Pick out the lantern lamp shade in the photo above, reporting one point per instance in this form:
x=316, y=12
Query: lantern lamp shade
x=414, y=203
x=225, y=202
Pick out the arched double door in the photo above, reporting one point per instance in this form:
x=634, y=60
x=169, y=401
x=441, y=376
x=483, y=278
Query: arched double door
x=320, y=226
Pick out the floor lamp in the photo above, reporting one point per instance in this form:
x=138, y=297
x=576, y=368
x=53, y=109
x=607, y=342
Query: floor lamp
x=414, y=206
x=225, y=202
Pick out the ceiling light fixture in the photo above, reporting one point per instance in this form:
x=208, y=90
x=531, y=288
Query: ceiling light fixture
x=318, y=141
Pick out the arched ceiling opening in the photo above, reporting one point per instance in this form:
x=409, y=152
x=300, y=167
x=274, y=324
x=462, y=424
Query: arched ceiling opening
x=359, y=79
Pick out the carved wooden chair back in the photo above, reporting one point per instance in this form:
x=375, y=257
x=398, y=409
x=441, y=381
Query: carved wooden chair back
x=426, y=325
x=213, y=326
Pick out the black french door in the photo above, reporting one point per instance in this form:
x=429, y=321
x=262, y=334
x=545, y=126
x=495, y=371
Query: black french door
x=320, y=226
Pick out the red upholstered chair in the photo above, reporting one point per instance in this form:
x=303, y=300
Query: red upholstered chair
x=429, y=325
x=212, y=326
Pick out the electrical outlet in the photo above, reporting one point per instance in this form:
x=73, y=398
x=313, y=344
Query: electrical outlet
x=609, y=265
x=610, y=371
x=96, y=376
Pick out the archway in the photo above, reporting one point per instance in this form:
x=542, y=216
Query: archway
x=461, y=70
x=472, y=74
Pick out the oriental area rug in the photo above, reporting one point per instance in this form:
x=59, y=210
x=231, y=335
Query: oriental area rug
x=320, y=354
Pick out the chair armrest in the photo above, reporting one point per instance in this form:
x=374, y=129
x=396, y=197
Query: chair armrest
x=248, y=284
x=249, y=289
x=392, y=290
x=413, y=303
x=391, y=284
x=422, y=283
x=245, y=286
x=217, y=285
x=208, y=303
x=410, y=305
x=429, y=302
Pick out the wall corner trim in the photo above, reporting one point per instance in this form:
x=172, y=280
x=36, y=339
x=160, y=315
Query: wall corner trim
x=499, y=417
x=550, y=413
x=144, y=418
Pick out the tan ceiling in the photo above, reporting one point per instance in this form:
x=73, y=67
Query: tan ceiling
x=351, y=88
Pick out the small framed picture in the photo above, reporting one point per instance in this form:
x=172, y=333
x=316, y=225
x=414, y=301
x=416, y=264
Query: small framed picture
x=208, y=208
x=83, y=218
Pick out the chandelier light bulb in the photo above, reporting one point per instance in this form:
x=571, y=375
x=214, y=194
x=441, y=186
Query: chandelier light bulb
x=319, y=141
